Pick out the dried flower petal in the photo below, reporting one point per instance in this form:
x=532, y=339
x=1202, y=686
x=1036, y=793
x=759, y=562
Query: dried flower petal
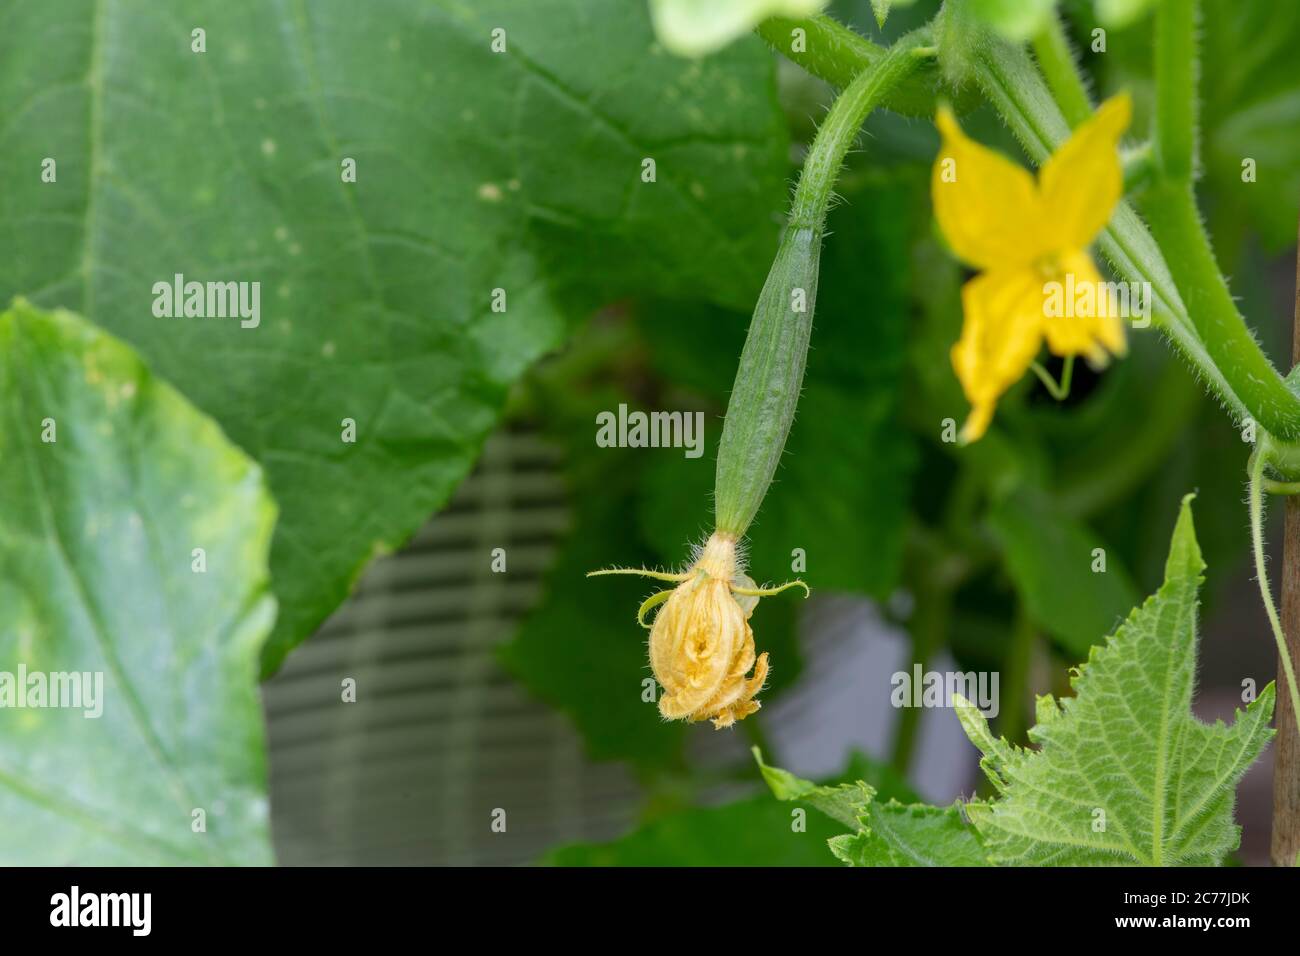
x=701, y=645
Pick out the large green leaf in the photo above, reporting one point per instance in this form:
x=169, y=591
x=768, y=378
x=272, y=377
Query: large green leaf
x=1122, y=772
x=475, y=170
x=98, y=529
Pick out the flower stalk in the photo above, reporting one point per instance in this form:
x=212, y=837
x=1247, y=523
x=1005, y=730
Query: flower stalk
x=1056, y=60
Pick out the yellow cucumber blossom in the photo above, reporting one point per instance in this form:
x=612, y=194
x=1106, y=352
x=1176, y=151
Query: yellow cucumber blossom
x=1030, y=240
x=701, y=644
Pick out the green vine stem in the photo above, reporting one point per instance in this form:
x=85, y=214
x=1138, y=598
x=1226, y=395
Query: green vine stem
x=1171, y=210
x=1059, y=391
x=831, y=51
x=1055, y=58
x=770, y=373
x=1191, y=299
x=1175, y=74
x=1258, y=463
x=928, y=628
x=1169, y=205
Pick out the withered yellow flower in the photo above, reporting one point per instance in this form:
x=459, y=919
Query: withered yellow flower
x=701, y=644
x=1029, y=239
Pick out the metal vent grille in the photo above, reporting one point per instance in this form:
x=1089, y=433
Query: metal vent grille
x=439, y=735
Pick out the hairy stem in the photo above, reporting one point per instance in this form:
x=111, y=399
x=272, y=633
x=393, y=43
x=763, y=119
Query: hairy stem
x=1256, y=507
x=1056, y=60
x=1060, y=391
x=822, y=166
x=1175, y=69
x=839, y=55
x=1170, y=208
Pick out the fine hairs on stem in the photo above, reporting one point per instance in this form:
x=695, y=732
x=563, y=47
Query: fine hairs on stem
x=1256, y=508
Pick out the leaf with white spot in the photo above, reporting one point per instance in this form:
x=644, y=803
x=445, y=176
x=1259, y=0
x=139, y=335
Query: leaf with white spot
x=476, y=171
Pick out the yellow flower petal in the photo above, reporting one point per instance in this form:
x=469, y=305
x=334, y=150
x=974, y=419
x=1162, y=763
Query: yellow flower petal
x=988, y=207
x=1001, y=334
x=1083, y=180
x=1085, y=321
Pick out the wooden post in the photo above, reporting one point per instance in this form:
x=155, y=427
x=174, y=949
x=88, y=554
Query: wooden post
x=1286, y=746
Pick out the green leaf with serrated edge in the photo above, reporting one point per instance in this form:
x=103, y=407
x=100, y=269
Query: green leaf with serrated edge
x=911, y=835
x=845, y=803
x=1074, y=587
x=757, y=831
x=880, y=9
x=98, y=531
x=754, y=832
x=696, y=27
x=884, y=834
x=1123, y=773
x=476, y=170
